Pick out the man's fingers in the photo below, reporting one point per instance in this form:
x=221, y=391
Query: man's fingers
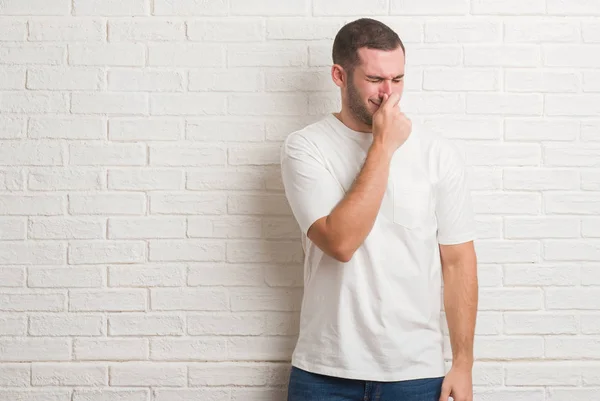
x=393, y=99
x=446, y=390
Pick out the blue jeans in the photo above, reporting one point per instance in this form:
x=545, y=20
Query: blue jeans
x=307, y=386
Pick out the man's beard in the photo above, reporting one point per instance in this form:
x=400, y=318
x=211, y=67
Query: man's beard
x=357, y=107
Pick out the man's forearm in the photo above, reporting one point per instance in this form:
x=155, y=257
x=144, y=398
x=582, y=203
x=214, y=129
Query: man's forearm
x=353, y=218
x=460, y=304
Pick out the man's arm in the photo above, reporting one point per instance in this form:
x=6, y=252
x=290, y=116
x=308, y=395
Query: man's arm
x=459, y=269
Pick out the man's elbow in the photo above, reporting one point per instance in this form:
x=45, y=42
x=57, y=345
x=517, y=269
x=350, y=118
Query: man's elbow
x=342, y=252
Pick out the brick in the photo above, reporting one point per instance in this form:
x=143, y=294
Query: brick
x=533, y=129
x=319, y=55
x=15, y=349
x=76, y=374
x=190, y=7
x=223, y=323
x=462, y=31
x=107, y=300
x=66, y=128
x=487, y=374
x=511, y=299
x=144, y=325
x=539, y=31
x=116, y=204
x=15, y=375
x=292, y=81
x=11, y=78
x=269, y=8
x=541, y=228
x=145, y=129
x=28, y=301
x=507, y=7
x=15, y=228
x=224, y=227
x=503, y=154
x=590, y=227
x=32, y=54
x=257, y=394
x=105, y=394
x=590, y=180
x=230, y=275
x=108, y=153
x=230, y=374
x=12, y=276
x=148, y=374
x=280, y=228
x=186, y=251
x=264, y=252
x=489, y=275
x=31, y=253
x=147, y=275
x=95, y=252
x=433, y=103
x=66, y=325
x=536, y=81
x=456, y=127
x=502, y=56
x=591, y=32
x=266, y=55
x=568, y=155
x=33, y=102
x=111, y=7
x=12, y=128
x=230, y=130
x=282, y=323
x=12, y=179
x=189, y=299
x=573, y=203
x=461, y=80
x=35, y=7
x=119, y=54
x=65, y=179
x=272, y=204
x=434, y=55
x=489, y=227
x=508, y=251
x=145, y=30
x=230, y=80
x=572, y=394
x=294, y=28
x=572, y=55
x=324, y=103
x=540, y=179
x=572, y=298
x=591, y=376
x=591, y=81
x=146, y=80
x=109, y=103
x=228, y=30
x=31, y=205
x=507, y=203
x=186, y=55
x=214, y=179
x=485, y=178
x=564, y=347
x=572, y=105
x=513, y=348
x=187, y=154
x=549, y=373
x=184, y=349
x=207, y=394
x=541, y=275
x=31, y=153
x=145, y=179
x=274, y=348
x=272, y=299
x=12, y=30
x=68, y=277
x=429, y=7
x=511, y=104
x=36, y=395
x=353, y=7
x=95, y=349
x=590, y=323
x=190, y=104
x=568, y=250
x=540, y=323
x=66, y=30
x=253, y=155
x=146, y=227
x=188, y=203
x=576, y=7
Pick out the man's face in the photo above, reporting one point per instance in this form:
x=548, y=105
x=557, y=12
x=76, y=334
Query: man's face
x=379, y=72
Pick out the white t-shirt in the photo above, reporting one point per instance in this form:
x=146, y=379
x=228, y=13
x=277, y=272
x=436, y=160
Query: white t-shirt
x=376, y=317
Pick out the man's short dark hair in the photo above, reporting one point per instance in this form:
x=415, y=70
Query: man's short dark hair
x=364, y=32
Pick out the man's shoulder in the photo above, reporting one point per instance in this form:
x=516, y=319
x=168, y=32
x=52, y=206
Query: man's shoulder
x=307, y=137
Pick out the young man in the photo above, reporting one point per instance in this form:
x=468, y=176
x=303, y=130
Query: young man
x=385, y=214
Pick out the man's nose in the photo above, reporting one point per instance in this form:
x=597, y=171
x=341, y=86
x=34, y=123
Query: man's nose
x=386, y=87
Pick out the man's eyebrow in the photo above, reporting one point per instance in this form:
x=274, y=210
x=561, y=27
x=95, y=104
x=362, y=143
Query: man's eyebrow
x=376, y=77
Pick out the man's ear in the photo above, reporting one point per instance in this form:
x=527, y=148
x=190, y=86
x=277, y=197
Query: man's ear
x=339, y=76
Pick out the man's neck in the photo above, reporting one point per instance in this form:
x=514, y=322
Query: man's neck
x=351, y=122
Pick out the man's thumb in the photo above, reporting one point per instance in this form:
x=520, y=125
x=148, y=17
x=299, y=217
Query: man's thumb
x=446, y=390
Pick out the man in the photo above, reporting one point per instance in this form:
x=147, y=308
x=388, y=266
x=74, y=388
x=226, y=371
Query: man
x=384, y=213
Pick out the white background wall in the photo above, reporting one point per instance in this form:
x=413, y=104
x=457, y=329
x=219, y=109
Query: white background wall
x=147, y=251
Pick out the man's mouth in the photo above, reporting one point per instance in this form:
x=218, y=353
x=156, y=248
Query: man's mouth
x=375, y=103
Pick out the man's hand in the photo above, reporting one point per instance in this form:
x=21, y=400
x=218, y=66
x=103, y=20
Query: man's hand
x=458, y=383
x=391, y=127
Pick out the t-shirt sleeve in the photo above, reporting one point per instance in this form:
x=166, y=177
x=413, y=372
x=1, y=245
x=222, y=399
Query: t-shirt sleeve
x=454, y=209
x=311, y=190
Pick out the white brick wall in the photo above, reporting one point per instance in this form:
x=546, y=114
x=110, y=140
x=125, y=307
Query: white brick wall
x=147, y=252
